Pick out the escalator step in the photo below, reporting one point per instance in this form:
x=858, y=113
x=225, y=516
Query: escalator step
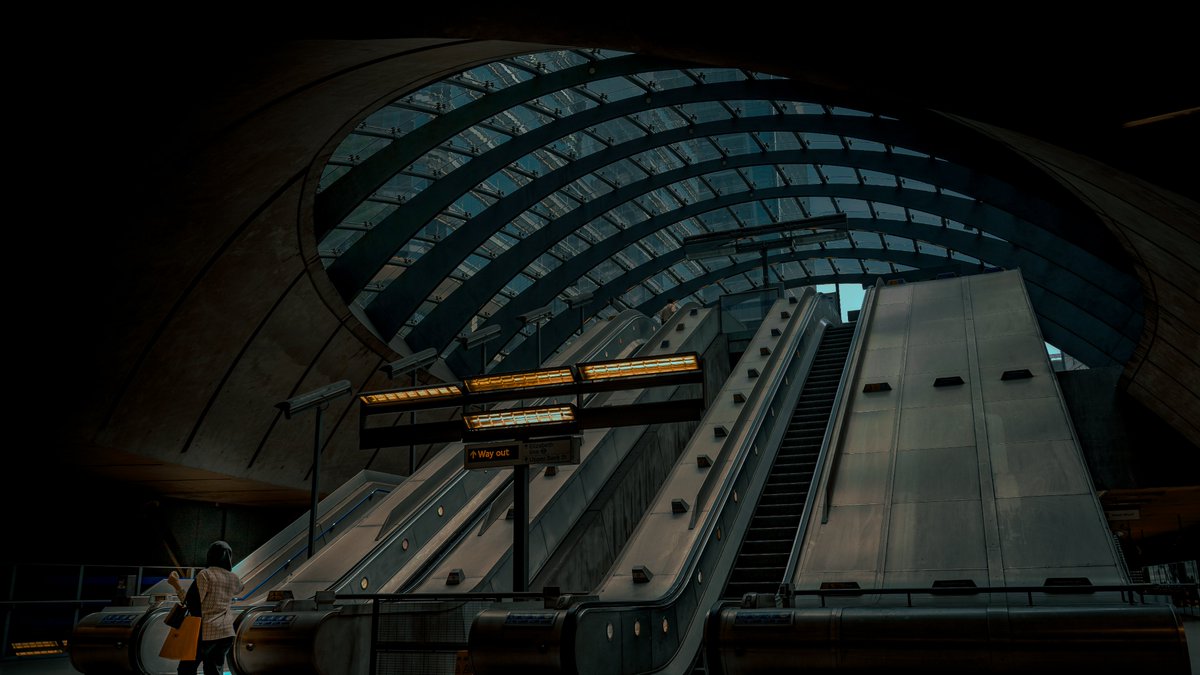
x=768, y=546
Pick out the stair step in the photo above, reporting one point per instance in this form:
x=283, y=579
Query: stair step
x=768, y=546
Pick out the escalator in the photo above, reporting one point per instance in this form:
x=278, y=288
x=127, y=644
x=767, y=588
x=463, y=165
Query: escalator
x=648, y=614
x=763, y=559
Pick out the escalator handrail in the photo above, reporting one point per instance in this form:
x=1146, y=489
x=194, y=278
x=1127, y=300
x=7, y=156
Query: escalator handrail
x=304, y=549
x=740, y=444
x=833, y=429
x=763, y=391
x=452, y=543
x=849, y=371
x=621, y=321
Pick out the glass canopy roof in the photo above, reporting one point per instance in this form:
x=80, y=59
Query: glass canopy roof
x=529, y=180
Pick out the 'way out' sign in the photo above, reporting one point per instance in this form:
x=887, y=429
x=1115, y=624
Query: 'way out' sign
x=564, y=450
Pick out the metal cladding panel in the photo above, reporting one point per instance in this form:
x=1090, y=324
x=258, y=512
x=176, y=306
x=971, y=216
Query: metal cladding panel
x=888, y=326
x=1053, y=531
x=869, y=432
x=862, y=479
x=939, y=331
x=996, y=293
x=937, y=309
x=919, y=392
x=886, y=362
x=948, y=426
x=925, y=578
x=1014, y=350
x=1041, y=385
x=890, y=295
x=1038, y=468
x=1023, y=420
x=1005, y=323
x=942, y=289
x=848, y=542
x=946, y=358
x=936, y=536
x=936, y=475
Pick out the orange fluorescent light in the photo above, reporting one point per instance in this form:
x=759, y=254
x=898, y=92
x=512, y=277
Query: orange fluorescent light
x=527, y=417
x=536, y=378
x=611, y=370
x=407, y=395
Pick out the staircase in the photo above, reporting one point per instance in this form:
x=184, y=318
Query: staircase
x=768, y=542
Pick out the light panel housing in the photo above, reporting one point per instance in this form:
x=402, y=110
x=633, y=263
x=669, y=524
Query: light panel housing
x=525, y=417
x=611, y=370
x=409, y=395
x=524, y=380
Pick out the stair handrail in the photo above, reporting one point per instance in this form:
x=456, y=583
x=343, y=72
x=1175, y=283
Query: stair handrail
x=837, y=421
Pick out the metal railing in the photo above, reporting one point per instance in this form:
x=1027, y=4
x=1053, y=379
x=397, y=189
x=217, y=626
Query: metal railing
x=86, y=586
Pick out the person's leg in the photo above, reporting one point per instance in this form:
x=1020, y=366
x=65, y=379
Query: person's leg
x=213, y=653
x=190, y=667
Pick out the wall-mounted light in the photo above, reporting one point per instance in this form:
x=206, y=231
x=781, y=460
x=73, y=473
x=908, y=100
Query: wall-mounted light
x=314, y=398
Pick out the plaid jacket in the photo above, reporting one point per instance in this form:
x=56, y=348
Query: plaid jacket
x=217, y=588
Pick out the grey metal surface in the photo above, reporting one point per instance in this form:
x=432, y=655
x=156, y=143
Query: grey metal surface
x=557, y=502
x=689, y=554
x=982, y=480
x=1100, y=639
x=336, y=514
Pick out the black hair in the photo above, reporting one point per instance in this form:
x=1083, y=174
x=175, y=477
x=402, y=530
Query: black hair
x=220, y=555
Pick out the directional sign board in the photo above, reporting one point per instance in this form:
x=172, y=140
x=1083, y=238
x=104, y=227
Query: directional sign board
x=564, y=450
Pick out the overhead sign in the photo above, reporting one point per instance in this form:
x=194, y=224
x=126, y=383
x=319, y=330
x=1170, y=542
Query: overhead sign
x=563, y=450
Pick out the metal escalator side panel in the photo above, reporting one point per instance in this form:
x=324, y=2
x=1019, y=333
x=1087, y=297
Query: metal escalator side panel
x=454, y=503
x=658, y=625
x=557, y=502
x=1108, y=639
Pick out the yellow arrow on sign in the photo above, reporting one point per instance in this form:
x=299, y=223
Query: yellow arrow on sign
x=472, y=454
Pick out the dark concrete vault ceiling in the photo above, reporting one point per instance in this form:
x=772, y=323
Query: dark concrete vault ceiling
x=200, y=292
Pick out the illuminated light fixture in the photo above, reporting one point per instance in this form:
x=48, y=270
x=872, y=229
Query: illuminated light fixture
x=875, y=387
x=526, y=417
x=36, y=648
x=609, y=370
x=642, y=574
x=406, y=395
x=1021, y=374
x=455, y=577
x=551, y=470
x=1160, y=118
x=509, y=381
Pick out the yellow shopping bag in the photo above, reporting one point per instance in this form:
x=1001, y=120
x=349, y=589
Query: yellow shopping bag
x=181, y=642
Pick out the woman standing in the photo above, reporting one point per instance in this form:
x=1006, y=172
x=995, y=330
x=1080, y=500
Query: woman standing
x=216, y=585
